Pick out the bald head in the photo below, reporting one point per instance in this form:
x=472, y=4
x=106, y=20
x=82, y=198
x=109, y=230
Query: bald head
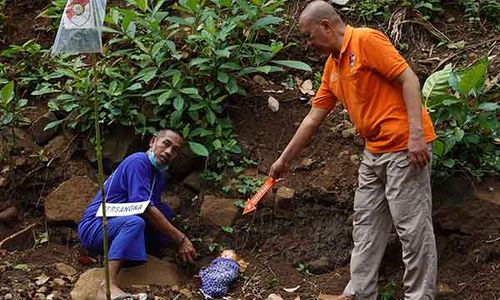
x=318, y=11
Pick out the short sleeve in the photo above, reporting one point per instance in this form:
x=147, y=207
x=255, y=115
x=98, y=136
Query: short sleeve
x=324, y=98
x=139, y=180
x=380, y=55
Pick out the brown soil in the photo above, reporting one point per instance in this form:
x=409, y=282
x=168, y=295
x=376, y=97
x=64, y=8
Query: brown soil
x=325, y=177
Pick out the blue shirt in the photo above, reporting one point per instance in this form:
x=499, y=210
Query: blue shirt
x=134, y=180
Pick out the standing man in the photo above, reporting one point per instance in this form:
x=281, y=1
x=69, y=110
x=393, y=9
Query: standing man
x=138, y=178
x=382, y=95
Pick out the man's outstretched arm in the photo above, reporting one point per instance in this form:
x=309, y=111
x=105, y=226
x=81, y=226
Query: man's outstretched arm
x=301, y=138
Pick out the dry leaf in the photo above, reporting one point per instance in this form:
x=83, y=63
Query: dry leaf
x=273, y=104
x=307, y=88
x=42, y=279
x=297, y=298
x=243, y=265
x=274, y=297
x=291, y=290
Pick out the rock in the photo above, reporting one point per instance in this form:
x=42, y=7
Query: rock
x=320, y=266
x=118, y=142
x=185, y=163
x=9, y=215
x=43, y=136
x=173, y=201
x=218, y=211
x=8, y=296
x=42, y=290
x=59, y=282
x=86, y=286
x=39, y=296
x=187, y=293
x=260, y=80
x=153, y=272
x=283, y=202
x=444, y=291
x=349, y=132
x=3, y=182
x=65, y=269
x=193, y=181
x=284, y=197
x=24, y=141
x=62, y=146
x=354, y=158
x=274, y=297
x=69, y=200
x=489, y=190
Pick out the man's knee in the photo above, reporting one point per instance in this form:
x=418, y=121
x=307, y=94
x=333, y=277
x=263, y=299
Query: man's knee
x=135, y=221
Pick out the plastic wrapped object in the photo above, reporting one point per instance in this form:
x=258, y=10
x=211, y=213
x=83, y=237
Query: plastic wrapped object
x=217, y=277
x=80, y=27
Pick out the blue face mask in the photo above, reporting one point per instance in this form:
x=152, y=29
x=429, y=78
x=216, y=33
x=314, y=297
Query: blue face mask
x=152, y=160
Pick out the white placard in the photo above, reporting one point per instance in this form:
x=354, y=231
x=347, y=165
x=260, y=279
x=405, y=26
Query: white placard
x=123, y=209
x=78, y=14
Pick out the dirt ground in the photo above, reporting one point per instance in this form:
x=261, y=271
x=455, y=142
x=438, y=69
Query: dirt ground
x=309, y=244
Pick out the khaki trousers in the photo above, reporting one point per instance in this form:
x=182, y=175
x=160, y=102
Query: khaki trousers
x=391, y=191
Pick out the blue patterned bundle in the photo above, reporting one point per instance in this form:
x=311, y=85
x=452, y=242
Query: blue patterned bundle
x=218, y=276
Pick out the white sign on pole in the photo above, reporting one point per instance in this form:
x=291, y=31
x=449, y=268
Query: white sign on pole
x=123, y=209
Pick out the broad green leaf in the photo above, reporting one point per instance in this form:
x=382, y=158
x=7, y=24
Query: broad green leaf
x=222, y=77
x=223, y=53
x=437, y=84
x=449, y=163
x=211, y=118
x=264, y=69
x=293, y=64
x=232, y=86
x=489, y=106
x=217, y=144
x=175, y=119
x=198, y=61
x=266, y=21
x=179, y=103
x=6, y=118
x=189, y=91
x=146, y=74
x=438, y=148
x=142, y=4
x=135, y=86
x=198, y=149
x=53, y=124
x=230, y=66
x=154, y=92
x=7, y=92
x=472, y=80
x=164, y=97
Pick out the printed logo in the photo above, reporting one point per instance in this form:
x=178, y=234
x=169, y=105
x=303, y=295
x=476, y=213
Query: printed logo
x=78, y=14
x=352, y=60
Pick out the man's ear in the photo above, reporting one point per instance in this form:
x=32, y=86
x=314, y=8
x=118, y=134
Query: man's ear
x=152, y=142
x=326, y=25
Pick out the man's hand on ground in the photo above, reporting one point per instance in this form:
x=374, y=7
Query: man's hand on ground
x=279, y=169
x=186, y=251
x=417, y=149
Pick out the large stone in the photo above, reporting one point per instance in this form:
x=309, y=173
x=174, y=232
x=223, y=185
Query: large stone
x=65, y=269
x=218, y=211
x=173, y=201
x=185, y=163
x=69, y=200
x=9, y=215
x=62, y=145
x=88, y=283
x=153, y=272
x=118, y=142
x=38, y=133
x=193, y=181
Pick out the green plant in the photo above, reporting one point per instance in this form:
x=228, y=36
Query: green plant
x=227, y=229
x=387, y=292
x=465, y=119
x=377, y=9
x=163, y=70
x=302, y=268
x=11, y=108
x=53, y=11
x=214, y=247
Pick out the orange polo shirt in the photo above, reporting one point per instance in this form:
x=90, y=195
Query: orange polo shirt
x=363, y=79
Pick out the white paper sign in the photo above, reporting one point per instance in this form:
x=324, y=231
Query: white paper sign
x=123, y=209
x=78, y=14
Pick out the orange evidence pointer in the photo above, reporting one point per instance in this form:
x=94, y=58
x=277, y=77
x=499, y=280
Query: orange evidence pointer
x=251, y=204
